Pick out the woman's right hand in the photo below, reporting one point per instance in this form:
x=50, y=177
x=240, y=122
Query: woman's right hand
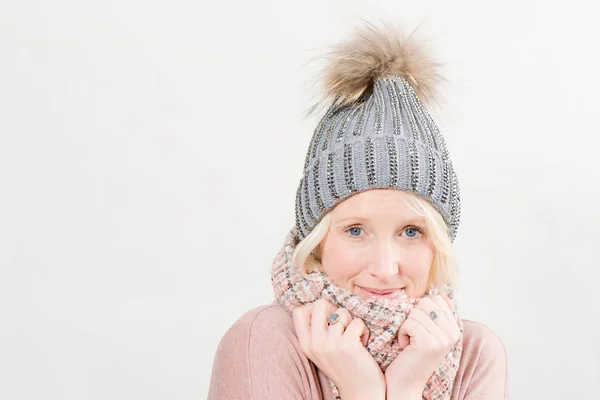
x=339, y=350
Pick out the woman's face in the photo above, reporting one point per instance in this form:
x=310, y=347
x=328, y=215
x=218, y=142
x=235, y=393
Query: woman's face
x=375, y=243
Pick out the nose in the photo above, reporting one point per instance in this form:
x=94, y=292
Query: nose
x=385, y=261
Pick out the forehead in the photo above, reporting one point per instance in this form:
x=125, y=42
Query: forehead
x=389, y=204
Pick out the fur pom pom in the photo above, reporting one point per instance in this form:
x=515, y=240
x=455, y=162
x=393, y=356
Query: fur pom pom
x=352, y=67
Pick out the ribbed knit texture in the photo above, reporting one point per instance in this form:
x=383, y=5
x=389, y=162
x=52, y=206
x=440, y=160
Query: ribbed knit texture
x=389, y=140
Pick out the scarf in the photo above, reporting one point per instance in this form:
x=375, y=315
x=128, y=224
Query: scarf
x=382, y=317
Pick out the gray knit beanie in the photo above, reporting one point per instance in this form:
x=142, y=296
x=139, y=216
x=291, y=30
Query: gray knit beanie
x=377, y=132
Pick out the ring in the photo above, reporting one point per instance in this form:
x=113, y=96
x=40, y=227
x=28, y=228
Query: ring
x=333, y=318
x=435, y=314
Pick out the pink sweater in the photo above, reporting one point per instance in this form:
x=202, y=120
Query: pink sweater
x=259, y=358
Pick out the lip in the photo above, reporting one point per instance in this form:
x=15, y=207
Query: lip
x=391, y=293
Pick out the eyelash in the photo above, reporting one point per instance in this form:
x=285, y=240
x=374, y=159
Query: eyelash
x=416, y=228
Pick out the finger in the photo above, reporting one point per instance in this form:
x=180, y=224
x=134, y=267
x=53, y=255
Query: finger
x=426, y=304
x=444, y=303
x=447, y=325
x=435, y=303
x=450, y=303
x=302, y=320
x=452, y=328
x=403, y=341
x=414, y=330
x=425, y=320
x=320, y=314
x=443, y=306
x=337, y=329
x=357, y=332
x=443, y=317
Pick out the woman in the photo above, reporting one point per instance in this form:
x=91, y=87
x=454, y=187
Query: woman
x=364, y=283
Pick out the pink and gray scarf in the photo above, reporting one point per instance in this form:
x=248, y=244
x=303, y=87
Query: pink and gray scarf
x=382, y=317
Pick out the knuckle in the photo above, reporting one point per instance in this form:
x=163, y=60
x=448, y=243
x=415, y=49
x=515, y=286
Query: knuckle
x=358, y=323
x=446, y=343
x=343, y=312
x=320, y=302
x=425, y=302
x=447, y=301
x=297, y=311
x=415, y=313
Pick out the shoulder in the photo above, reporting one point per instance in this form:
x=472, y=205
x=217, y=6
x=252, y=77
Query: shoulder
x=261, y=332
x=480, y=339
x=271, y=319
x=251, y=360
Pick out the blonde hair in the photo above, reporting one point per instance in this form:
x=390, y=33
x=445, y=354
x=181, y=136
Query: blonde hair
x=444, y=268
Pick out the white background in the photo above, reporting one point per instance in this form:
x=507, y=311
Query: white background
x=150, y=152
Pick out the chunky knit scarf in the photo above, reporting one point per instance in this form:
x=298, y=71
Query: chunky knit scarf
x=382, y=317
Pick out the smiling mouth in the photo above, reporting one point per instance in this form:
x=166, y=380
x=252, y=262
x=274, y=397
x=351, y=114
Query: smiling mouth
x=380, y=294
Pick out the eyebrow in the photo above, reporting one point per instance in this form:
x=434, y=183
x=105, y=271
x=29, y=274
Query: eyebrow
x=410, y=221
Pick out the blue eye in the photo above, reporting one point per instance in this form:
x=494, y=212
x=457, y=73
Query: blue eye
x=354, y=231
x=412, y=232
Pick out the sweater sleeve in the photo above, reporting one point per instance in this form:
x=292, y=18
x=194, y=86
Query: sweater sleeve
x=259, y=358
x=486, y=366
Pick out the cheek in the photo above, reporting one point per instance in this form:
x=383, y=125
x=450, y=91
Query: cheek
x=417, y=271
x=418, y=265
x=340, y=262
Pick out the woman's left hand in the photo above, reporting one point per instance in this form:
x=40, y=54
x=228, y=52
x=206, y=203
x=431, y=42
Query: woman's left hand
x=427, y=341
